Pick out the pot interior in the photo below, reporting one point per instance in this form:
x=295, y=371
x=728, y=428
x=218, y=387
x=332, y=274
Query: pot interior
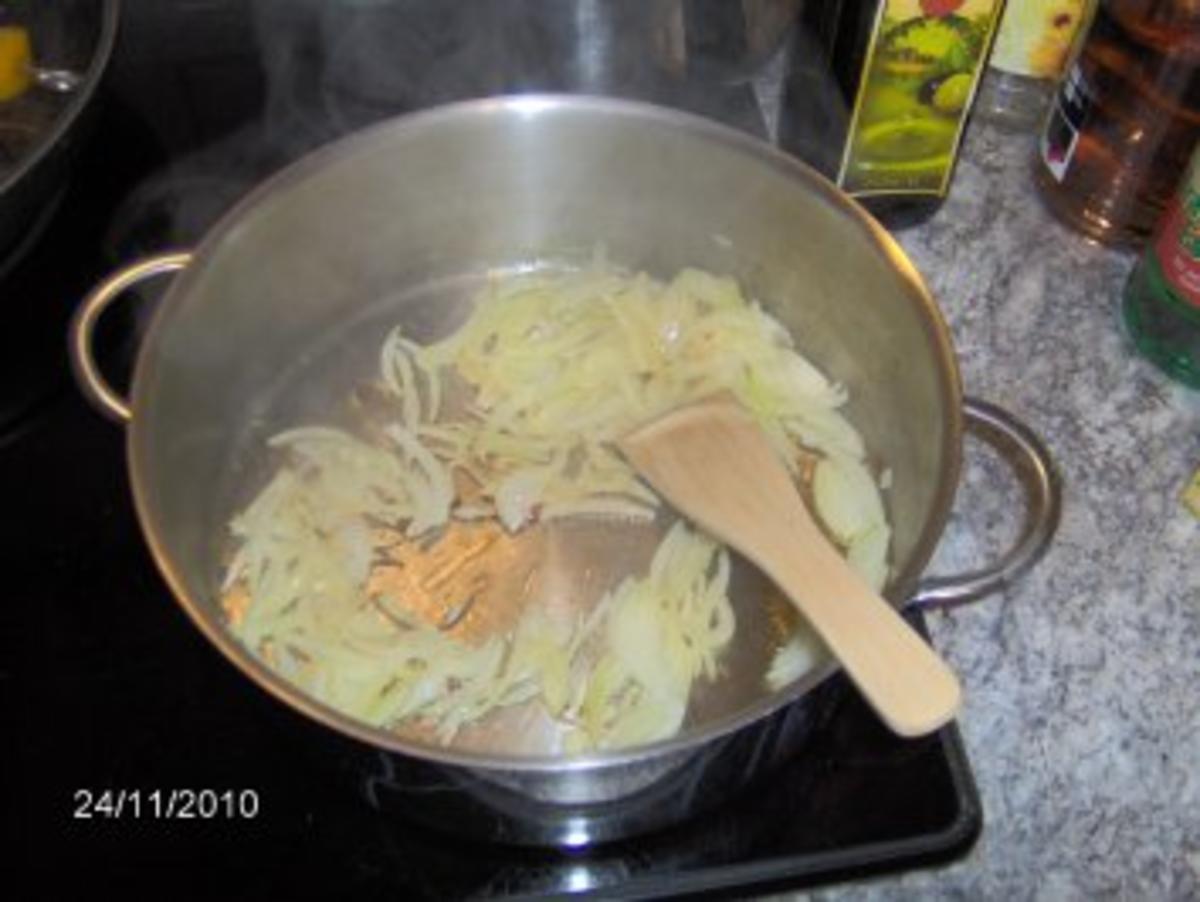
x=289, y=298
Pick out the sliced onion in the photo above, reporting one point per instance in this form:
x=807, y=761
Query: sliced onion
x=846, y=497
x=555, y=366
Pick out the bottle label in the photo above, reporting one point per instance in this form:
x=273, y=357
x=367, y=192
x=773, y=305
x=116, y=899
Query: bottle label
x=1035, y=36
x=1068, y=114
x=920, y=75
x=1177, y=244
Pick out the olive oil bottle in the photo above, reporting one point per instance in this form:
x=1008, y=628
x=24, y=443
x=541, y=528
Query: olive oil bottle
x=878, y=93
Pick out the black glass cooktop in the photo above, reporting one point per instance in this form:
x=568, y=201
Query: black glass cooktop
x=136, y=758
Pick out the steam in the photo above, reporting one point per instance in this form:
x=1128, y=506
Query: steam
x=335, y=66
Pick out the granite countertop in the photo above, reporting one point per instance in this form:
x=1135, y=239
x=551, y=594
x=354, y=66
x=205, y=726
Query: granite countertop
x=1082, y=716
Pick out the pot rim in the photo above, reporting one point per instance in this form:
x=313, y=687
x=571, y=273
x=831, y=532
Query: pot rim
x=528, y=106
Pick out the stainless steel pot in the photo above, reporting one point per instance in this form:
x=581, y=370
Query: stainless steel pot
x=41, y=131
x=388, y=223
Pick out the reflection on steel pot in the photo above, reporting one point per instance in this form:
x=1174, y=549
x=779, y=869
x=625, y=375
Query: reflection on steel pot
x=280, y=308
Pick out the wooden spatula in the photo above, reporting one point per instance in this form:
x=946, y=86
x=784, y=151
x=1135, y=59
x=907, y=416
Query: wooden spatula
x=713, y=463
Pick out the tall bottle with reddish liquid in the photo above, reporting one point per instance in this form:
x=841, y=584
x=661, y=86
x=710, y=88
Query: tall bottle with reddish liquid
x=1125, y=119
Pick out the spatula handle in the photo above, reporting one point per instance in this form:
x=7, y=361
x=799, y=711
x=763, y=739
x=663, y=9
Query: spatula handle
x=910, y=687
x=714, y=463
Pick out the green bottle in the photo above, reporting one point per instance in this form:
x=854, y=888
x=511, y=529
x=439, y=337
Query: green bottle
x=1162, y=297
x=879, y=92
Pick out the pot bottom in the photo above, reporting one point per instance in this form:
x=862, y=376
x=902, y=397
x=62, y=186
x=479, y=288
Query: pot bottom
x=484, y=807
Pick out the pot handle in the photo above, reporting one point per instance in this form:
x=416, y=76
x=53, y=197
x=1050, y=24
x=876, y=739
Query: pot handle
x=91, y=381
x=1044, y=488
